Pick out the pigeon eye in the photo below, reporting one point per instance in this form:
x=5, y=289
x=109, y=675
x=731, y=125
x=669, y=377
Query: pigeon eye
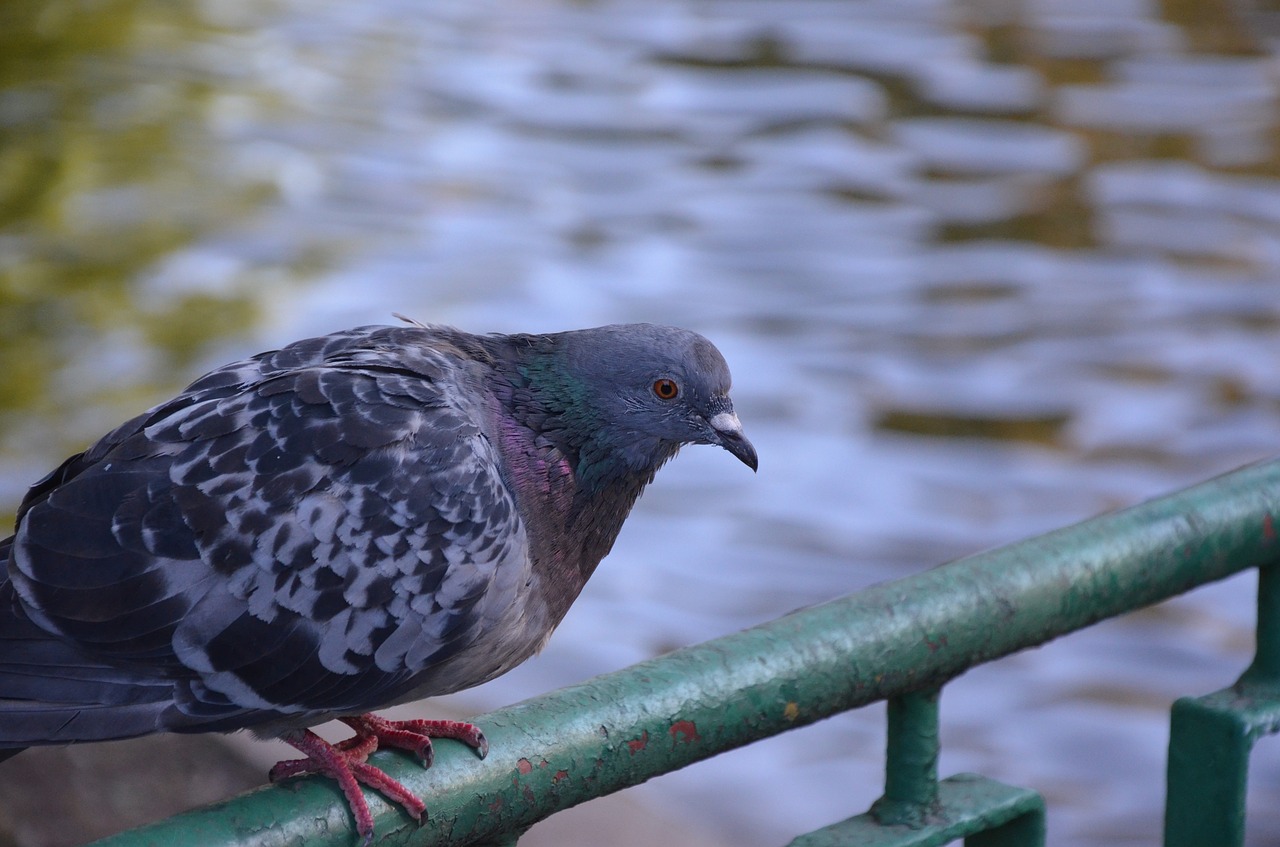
x=666, y=389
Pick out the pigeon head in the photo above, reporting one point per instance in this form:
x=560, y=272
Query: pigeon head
x=635, y=393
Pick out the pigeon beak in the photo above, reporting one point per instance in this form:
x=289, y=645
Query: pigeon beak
x=729, y=436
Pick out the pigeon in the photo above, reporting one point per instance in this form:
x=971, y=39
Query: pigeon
x=350, y=522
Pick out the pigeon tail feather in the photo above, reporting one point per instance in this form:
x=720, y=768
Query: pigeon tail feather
x=53, y=694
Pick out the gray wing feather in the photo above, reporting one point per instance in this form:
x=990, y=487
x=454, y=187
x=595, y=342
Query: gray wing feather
x=316, y=530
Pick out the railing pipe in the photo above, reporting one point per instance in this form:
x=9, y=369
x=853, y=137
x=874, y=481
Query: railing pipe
x=555, y=751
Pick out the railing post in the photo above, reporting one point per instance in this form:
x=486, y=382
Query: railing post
x=1211, y=737
x=911, y=760
x=917, y=810
x=1265, y=669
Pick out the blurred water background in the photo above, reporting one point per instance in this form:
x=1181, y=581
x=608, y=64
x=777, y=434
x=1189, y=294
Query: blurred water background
x=981, y=268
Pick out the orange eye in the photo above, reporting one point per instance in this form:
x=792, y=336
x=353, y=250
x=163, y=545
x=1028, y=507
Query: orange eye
x=666, y=389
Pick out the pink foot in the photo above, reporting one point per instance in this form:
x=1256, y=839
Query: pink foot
x=346, y=761
x=415, y=736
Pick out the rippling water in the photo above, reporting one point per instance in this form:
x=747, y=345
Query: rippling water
x=981, y=269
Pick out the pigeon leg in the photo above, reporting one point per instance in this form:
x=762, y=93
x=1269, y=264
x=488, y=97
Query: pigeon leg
x=347, y=761
x=354, y=749
x=345, y=764
x=415, y=735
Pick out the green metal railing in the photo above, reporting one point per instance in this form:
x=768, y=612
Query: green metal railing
x=900, y=641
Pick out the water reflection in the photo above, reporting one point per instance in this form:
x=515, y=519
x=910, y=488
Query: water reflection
x=107, y=172
x=982, y=268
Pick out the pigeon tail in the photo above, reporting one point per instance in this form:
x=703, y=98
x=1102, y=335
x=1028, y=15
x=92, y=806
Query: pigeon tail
x=50, y=693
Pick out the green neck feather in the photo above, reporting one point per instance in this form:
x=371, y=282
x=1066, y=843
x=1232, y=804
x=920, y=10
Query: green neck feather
x=567, y=415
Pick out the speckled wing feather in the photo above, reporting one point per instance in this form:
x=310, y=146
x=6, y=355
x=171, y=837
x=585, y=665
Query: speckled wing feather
x=314, y=531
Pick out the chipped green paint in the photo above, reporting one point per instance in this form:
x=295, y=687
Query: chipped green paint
x=617, y=730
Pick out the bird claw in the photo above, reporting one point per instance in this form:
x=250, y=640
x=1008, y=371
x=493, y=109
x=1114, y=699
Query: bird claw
x=347, y=761
x=403, y=735
x=415, y=735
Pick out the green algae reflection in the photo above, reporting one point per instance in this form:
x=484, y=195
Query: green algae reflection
x=107, y=168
